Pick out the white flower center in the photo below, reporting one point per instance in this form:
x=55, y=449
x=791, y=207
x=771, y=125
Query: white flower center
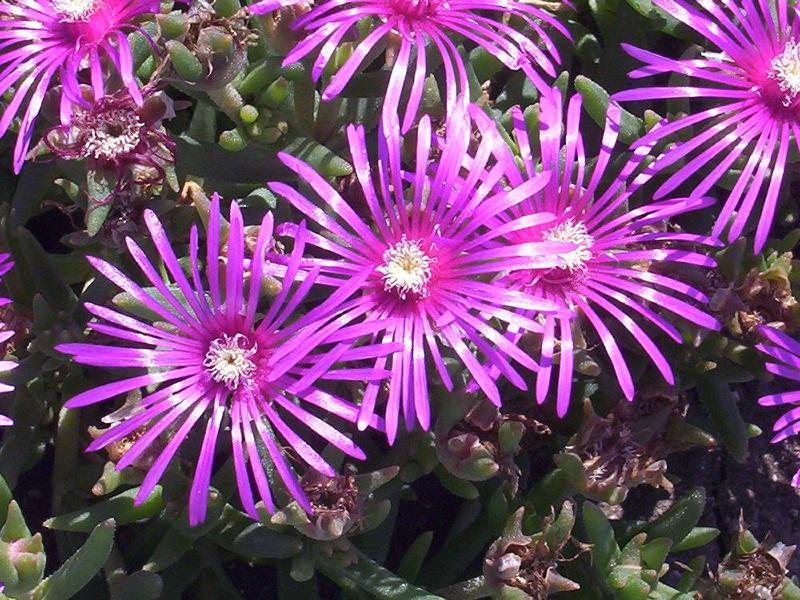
x=75, y=10
x=111, y=134
x=229, y=360
x=574, y=233
x=406, y=269
x=785, y=69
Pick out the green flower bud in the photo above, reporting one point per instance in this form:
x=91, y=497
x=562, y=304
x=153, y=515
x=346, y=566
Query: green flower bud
x=233, y=140
x=227, y=8
x=186, y=64
x=173, y=26
x=276, y=93
x=248, y=114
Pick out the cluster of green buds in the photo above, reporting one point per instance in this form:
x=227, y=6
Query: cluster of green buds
x=753, y=570
x=748, y=290
x=344, y=505
x=475, y=442
x=207, y=45
x=22, y=557
x=608, y=456
x=208, y=50
x=522, y=567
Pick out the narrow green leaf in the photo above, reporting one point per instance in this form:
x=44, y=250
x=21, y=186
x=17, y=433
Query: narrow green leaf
x=241, y=535
x=600, y=534
x=596, y=100
x=46, y=278
x=655, y=552
x=376, y=580
x=723, y=412
x=679, y=520
x=82, y=566
x=455, y=485
x=172, y=548
x=120, y=507
x=318, y=156
x=412, y=560
x=697, y=537
x=31, y=186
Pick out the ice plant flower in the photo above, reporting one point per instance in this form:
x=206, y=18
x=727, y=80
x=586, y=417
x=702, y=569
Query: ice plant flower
x=40, y=39
x=784, y=360
x=417, y=258
x=117, y=135
x=613, y=274
x=6, y=264
x=750, y=84
x=214, y=357
x=413, y=25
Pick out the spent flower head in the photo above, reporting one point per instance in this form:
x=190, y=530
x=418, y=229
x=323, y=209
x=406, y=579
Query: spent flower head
x=117, y=134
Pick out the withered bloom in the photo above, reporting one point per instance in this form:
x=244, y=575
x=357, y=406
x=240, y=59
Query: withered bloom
x=609, y=456
x=119, y=137
x=475, y=441
x=342, y=504
x=753, y=570
x=529, y=563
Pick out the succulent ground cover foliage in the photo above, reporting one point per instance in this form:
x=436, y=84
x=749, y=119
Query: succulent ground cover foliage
x=399, y=299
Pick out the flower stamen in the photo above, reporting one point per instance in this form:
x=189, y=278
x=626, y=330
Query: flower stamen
x=785, y=70
x=574, y=233
x=108, y=135
x=75, y=10
x=406, y=269
x=229, y=360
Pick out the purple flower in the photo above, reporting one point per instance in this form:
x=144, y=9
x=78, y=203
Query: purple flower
x=751, y=84
x=6, y=264
x=214, y=358
x=416, y=257
x=785, y=351
x=610, y=276
x=39, y=38
x=411, y=26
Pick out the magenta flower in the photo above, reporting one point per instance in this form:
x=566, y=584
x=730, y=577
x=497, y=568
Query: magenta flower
x=39, y=38
x=6, y=264
x=214, y=358
x=421, y=23
x=751, y=84
x=785, y=352
x=612, y=276
x=417, y=257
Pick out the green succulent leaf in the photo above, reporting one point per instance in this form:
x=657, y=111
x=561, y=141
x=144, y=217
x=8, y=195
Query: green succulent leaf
x=120, y=507
x=82, y=566
x=596, y=101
